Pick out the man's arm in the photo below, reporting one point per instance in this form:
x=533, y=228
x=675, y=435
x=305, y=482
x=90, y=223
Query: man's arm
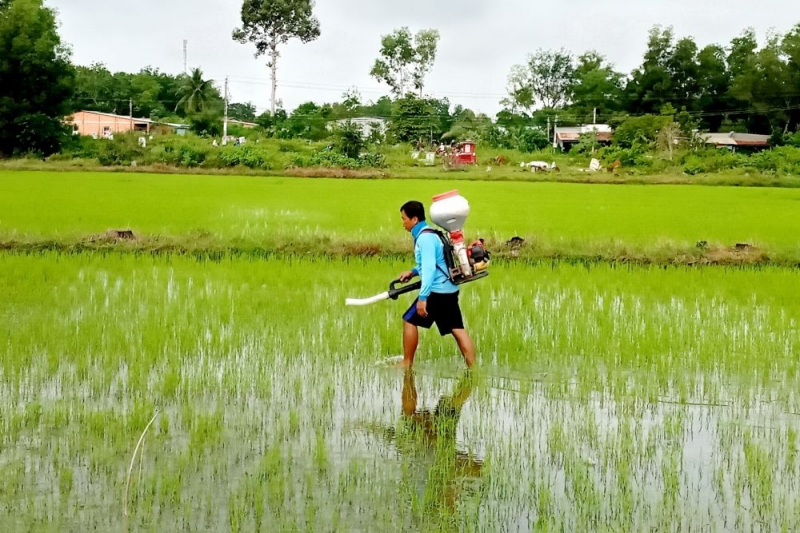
x=408, y=274
x=427, y=268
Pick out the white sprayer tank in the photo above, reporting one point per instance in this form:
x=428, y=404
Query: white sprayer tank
x=450, y=211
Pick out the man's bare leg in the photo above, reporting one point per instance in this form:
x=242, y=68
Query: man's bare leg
x=410, y=341
x=465, y=345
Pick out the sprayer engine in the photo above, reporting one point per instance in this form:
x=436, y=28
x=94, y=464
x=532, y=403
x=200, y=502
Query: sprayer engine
x=466, y=263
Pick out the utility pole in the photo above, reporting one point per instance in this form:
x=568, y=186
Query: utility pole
x=185, y=51
x=594, y=121
x=225, y=122
x=130, y=108
x=548, y=126
x=555, y=133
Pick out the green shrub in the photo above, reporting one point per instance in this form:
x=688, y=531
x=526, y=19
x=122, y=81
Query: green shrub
x=693, y=164
x=710, y=160
x=784, y=159
x=329, y=158
x=635, y=156
x=185, y=151
x=372, y=160
x=332, y=159
x=122, y=150
x=248, y=156
x=349, y=140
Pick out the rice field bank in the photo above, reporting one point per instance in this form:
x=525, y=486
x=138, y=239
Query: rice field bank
x=661, y=223
x=157, y=392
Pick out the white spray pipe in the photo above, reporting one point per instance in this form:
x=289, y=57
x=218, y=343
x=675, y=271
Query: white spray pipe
x=367, y=301
x=393, y=292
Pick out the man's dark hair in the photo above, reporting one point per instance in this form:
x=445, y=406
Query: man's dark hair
x=414, y=209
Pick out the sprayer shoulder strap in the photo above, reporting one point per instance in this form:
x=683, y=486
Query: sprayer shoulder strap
x=444, y=248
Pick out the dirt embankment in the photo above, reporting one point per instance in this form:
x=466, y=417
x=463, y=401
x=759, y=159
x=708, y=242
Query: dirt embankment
x=515, y=250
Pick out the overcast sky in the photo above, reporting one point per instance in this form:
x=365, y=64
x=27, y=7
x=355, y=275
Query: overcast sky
x=480, y=39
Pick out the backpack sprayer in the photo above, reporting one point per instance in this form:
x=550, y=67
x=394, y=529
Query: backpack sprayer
x=464, y=263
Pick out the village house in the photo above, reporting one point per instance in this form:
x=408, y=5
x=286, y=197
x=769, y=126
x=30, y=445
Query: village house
x=566, y=137
x=104, y=125
x=366, y=124
x=241, y=123
x=733, y=141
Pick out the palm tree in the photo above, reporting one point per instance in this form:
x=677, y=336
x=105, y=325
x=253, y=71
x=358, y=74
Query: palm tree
x=195, y=93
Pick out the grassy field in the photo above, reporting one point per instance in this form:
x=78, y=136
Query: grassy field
x=556, y=219
x=607, y=398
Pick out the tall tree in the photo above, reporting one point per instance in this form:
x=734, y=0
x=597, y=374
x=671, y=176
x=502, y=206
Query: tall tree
x=546, y=79
x=426, y=43
x=416, y=120
x=765, y=84
x=36, y=79
x=684, y=72
x=196, y=94
x=382, y=108
x=791, y=50
x=268, y=24
x=351, y=100
x=742, y=50
x=397, y=55
x=597, y=88
x=406, y=59
x=145, y=90
x=240, y=111
x=714, y=82
x=93, y=88
x=650, y=86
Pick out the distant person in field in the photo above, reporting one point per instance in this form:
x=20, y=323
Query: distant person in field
x=438, y=298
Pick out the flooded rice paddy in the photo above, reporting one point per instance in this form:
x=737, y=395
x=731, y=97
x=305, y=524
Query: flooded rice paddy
x=606, y=399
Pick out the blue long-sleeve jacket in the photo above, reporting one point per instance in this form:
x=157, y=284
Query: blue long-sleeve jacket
x=431, y=266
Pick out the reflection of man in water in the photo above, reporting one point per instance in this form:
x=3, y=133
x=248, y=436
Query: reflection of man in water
x=430, y=438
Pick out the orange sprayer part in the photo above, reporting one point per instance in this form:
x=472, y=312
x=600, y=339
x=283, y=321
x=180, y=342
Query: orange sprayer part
x=444, y=195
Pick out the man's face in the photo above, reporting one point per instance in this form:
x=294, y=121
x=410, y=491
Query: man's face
x=408, y=223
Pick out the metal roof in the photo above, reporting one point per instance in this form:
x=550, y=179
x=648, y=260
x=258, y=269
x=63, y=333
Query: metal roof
x=242, y=122
x=602, y=132
x=575, y=137
x=123, y=117
x=736, y=139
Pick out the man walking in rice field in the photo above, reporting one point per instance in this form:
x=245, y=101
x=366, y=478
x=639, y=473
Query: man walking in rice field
x=438, y=298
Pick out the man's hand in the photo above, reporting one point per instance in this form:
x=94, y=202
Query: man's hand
x=405, y=276
x=422, y=308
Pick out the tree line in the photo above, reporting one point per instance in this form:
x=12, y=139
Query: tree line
x=738, y=87
x=741, y=86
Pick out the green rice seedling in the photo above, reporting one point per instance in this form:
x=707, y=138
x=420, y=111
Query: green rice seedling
x=606, y=398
